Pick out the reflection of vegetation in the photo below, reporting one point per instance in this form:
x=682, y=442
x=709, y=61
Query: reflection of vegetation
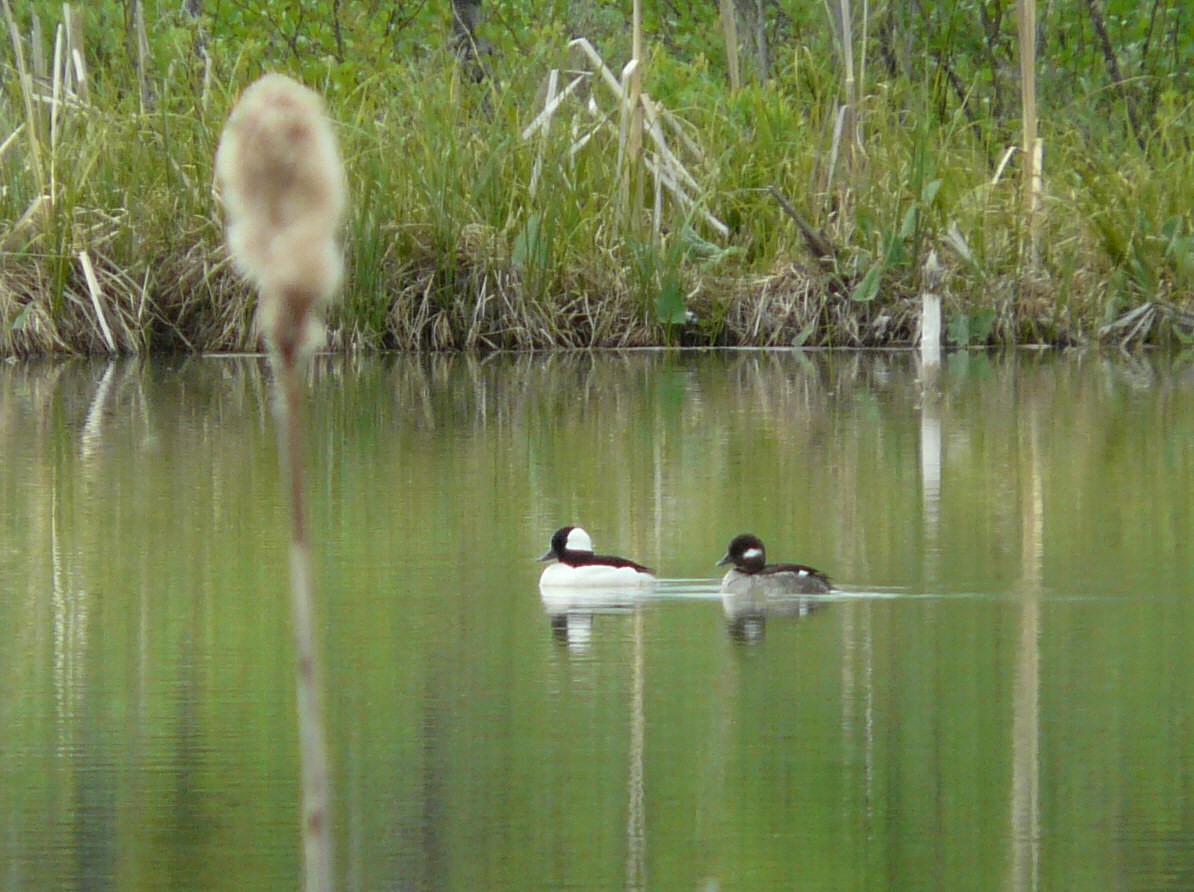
x=113, y=241
x=456, y=713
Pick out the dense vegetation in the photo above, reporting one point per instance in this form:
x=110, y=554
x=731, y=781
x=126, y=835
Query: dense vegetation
x=468, y=232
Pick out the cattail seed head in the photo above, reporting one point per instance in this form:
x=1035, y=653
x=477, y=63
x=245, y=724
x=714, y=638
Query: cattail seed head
x=280, y=176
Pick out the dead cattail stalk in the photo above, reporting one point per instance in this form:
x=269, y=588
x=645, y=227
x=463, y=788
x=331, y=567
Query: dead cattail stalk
x=627, y=157
x=845, y=133
x=550, y=104
x=141, y=59
x=630, y=145
x=729, y=27
x=97, y=299
x=635, y=93
x=282, y=181
x=76, y=61
x=32, y=129
x=1026, y=11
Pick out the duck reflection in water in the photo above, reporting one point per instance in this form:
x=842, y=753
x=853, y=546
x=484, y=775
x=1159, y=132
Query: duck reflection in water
x=753, y=591
x=572, y=612
x=747, y=613
x=580, y=583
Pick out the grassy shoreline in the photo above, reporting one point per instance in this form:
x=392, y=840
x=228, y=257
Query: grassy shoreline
x=467, y=235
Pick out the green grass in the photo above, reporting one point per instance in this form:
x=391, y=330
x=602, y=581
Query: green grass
x=449, y=247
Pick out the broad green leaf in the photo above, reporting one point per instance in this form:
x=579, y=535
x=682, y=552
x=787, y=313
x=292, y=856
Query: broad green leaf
x=669, y=304
x=22, y=318
x=869, y=286
x=530, y=245
x=908, y=225
x=980, y=326
x=929, y=193
x=958, y=331
x=1181, y=257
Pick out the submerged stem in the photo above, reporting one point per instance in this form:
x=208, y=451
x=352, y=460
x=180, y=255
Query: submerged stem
x=317, y=841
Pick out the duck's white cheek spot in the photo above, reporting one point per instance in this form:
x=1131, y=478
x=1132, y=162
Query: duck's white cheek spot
x=802, y=573
x=578, y=540
x=751, y=553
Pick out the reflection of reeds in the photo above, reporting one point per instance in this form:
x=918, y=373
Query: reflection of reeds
x=283, y=185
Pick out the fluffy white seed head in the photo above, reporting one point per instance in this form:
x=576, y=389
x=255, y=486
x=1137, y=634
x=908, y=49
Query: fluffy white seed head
x=282, y=182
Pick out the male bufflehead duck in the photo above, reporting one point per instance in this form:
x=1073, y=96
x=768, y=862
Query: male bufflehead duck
x=752, y=573
x=577, y=566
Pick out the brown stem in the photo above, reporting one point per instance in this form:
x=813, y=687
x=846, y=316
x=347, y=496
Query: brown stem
x=816, y=241
x=1112, y=63
x=337, y=31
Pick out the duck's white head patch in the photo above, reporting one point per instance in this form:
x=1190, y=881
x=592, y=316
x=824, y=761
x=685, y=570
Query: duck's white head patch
x=751, y=553
x=578, y=540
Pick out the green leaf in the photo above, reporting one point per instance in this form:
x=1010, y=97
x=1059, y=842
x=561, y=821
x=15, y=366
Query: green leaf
x=908, y=226
x=929, y=193
x=669, y=304
x=702, y=250
x=1171, y=227
x=1143, y=274
x=530, y=246
x=1181, y=257
x=866, y=224
x=958, y=331
x=696, y=247
x=980, y=326
x=22, y=318
x=869, y=286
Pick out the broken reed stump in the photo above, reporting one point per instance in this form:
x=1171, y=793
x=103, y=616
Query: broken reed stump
x=930, y=319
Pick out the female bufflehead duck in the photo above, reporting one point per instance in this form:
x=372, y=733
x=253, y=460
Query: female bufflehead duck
x=751, y=572
x=577, y=566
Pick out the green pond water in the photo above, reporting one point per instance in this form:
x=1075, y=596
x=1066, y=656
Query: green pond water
x=999, y=696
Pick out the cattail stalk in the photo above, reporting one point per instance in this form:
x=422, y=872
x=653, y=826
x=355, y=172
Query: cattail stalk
x=1031, y=145
x=280, y=175
x=729, y=28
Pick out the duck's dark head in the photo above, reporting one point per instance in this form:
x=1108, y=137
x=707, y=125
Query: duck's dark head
x=746, y=553
x=570, y=540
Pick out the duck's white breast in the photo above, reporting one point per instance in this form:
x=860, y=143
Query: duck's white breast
x=595, y=576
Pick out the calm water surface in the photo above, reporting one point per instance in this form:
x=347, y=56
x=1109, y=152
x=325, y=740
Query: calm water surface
x=1000, y=697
